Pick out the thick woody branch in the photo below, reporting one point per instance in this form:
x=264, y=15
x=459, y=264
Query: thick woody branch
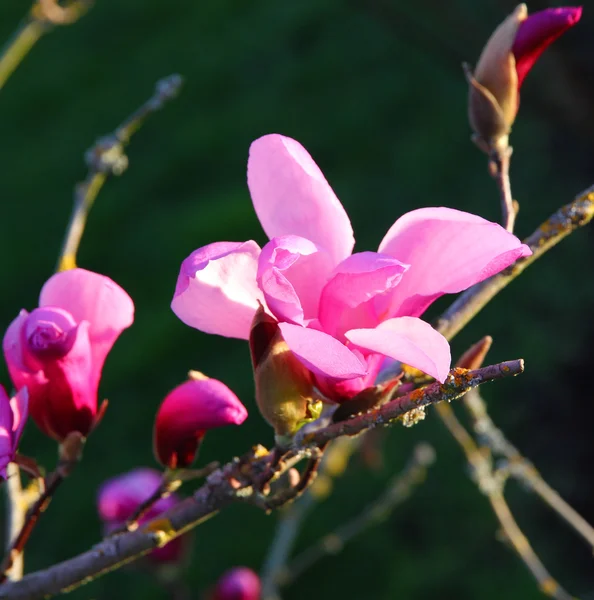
x=457, y=383
x=233, y=483
x=568, y=218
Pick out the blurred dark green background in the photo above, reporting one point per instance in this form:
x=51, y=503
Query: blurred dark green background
x=375, y=91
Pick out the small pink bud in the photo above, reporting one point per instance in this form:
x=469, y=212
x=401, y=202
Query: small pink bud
x=239, y=583
x=284, y=386
x=58, y=350
x=187, y=413
x=119, y=497
x=506, y=59
x=13, y=415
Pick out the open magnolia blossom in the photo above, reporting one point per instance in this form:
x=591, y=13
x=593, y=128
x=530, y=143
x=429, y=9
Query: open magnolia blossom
x=504, y=63
x=13, y=416
x=58, y=349
x=187, y=413
x=119, y=498
x=339, y=313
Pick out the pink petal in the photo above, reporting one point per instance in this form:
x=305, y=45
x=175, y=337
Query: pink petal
x=291, y=273
x=239, y=583
x=408, y=340
x=6, y=437
x=347, y=299
x=291, y=196
x=216, y=289
x=448, y=251
x=187, y=412
x=20, y=410
x=120, y=496
x=537, y=32
x=94, y=298
x=321, y=353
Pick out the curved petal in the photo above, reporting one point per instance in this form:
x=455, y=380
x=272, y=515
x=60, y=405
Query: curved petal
x=94, y=298
x=408, y=340
x=291, y=196
x=347, y=299
x=19, y=405
x=216, y=290
x=65, y=399
x=6, y=436
x=292, y=272
x=537, y=32
x=448, y=250
x=185, y=415
x=321, y=353
x=12, y=345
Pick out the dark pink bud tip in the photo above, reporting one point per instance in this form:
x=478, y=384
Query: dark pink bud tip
x=187, y=413
x=50, y=332
x=239, y=583
x=537, y=32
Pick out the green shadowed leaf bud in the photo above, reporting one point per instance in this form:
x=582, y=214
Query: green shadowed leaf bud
x=284, y=386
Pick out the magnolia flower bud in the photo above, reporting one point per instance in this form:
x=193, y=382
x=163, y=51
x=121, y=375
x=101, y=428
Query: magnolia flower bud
x=284, y=386
x=119, y=498
x=239, y=583
x=187, y=413
x=506, y=59
x=57, y=351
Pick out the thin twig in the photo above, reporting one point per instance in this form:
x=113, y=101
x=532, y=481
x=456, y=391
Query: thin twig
x=39, y=22
x=457, y=383
x=491, y=486
x=499, y=165
x=399, y=488
x=70, y=454
x=107, y=158
x=520, y=468
x=291, y=518
x=231, y=483
x=16, y=510
x=568, y=218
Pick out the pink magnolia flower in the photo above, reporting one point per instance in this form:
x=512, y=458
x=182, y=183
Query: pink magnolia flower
x=187, y=413
x=13, y=415
x=505, y=61
x=339, y=313
x=239, y=583
x=119, y=497
x=58, y=349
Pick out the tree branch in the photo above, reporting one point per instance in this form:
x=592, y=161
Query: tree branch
x=568, y=218
x=398, y=490
x=107, y=158
x=44, y=14
x=232, y=483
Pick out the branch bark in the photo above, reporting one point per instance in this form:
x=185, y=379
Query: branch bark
x=568, y=218
x=232, y=483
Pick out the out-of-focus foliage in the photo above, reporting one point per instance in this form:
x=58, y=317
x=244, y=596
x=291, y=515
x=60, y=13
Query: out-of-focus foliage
x=375, y=91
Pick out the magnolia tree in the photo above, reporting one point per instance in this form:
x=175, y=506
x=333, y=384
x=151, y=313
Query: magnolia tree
x=338, y=343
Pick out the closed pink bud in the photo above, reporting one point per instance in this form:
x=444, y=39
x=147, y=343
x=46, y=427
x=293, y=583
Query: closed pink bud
x=239, y=583
x=505, y=61
x=119, y=498
x=57, y=351
x=13, y=415
x=187, y=413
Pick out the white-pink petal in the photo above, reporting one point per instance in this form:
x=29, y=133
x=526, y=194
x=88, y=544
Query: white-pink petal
x=216, y=290
x=291, y=273
x=291, y=196
x=408, y=340
x=448, y=250
x=321, y=353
